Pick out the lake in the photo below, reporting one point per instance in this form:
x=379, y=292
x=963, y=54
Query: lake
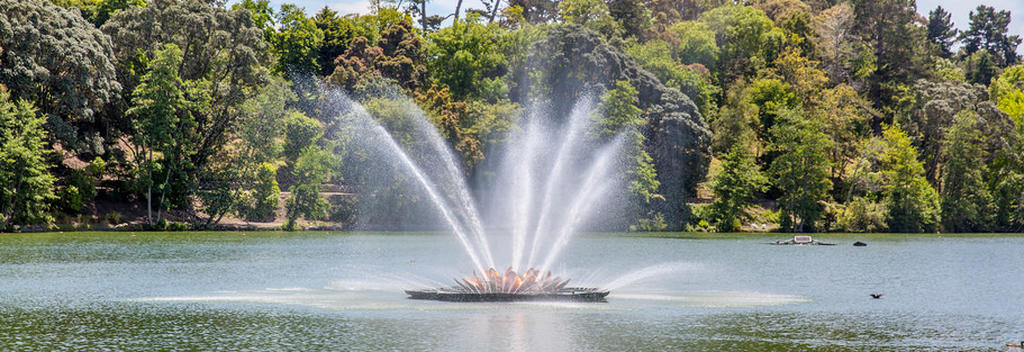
x=343, y=291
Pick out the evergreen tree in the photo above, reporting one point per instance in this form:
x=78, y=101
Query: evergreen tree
x=941, y=31
x=988, y=31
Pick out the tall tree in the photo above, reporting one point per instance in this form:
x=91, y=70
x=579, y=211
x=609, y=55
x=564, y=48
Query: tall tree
x=165, y=119
x=801, y=171
x=27, y=183
x=297, y=43
x=941, y=31
x=223, y=46
x=988, y=30
x=338, y=32
x=734, y=187
x=967, y=205
x=890, y=27
x=912, y=202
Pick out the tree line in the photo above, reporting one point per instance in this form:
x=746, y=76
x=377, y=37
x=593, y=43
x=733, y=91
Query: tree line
x=816, y=115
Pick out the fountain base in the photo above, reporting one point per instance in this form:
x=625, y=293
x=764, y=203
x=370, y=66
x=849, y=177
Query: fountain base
x=510, y=286
x=570, y=294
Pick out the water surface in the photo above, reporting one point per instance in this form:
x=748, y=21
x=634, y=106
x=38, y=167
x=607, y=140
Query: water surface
x=343, y=291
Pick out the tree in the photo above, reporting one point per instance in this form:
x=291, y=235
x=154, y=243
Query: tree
x=912, y=202
x=967, y=205
x=99, y=11
x=697, y=44
x=338, y=32
x=590, y=14
x=469, y=59
x=55, y=59
x=632, y=16
x=164, y=122
x=842, y=110
x=734, y=187
x=693, y=80
x=988, y=31
x=801, y=170
x=297, y=43
x=891, y=30
x=836, y=43
x=981, y=67
x=24, y=171
x=740, y=32
x=941, y=31
x=312, y=168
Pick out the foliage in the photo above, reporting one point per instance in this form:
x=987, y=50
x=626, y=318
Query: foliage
x=24, y=172
x=312, y=168
x=912, y=202
x=261, y=203
x=697, y=44
x=590, y=14
x=741, y=33
x=734, y=187
x=941, y=31
x=966, y=203
x=469, y=59
x=55, y=59
x=656, y=57
x=800, y=171
x=297, y=42
x=988, y=31
x=862, y=215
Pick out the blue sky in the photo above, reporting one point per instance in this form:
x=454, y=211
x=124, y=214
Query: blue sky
x=959, y=8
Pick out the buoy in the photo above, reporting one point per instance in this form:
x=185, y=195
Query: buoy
x=859, y=244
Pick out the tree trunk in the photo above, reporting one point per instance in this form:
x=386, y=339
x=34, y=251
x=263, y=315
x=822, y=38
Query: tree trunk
x=458, y=6
x=149, y=189
x=494, y=11
x=423, y=15
x=163, y=195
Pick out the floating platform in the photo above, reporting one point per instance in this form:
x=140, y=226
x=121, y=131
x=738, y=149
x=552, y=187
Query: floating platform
x=803, y=241
x=568, y=294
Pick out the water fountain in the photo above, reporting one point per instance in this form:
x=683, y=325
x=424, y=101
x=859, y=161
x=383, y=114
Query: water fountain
x=540, y=198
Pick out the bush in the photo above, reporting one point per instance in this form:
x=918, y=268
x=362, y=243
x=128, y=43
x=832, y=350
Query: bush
x=261, y=203
x=862, y=215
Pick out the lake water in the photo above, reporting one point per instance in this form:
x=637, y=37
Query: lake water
x=343, y=291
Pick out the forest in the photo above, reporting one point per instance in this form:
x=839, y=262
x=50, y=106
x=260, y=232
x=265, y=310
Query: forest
x=788, y=115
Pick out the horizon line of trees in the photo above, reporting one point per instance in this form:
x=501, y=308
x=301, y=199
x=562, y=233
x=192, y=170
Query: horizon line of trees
x=850, y=115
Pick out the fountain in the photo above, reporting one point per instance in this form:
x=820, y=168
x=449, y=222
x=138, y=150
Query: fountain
x=540, y=198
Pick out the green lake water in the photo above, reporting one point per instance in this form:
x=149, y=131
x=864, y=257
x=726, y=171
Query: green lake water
x=236, y=291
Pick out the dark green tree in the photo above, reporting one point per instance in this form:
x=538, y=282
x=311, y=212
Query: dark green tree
x=24, y=171
x=891, y=30
x=469, y=58
x=941, y=31
x=989, y=31
x=55, y=59
x=338, y=32
x=981, y=67
x=312, y=168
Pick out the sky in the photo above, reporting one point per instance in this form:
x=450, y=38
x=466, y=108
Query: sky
x=960, y=9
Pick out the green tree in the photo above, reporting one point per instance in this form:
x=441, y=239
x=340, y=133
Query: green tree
x=941, y=31
x=617, y=113
x=27, y=183
x=55, y=59
x=988, y=31
x=897, y=42
x=741, y=33
x=338, y=32
x=161, y=115
x=801, y=170
x=967, y=205
x=312, y=168
x=697, y=44
x=469, y=58
x=99, y=11
x=981, y=67
x=590, y=14
x=912, y=202
x=655, y=56
x=297, y=42
x=734, y=187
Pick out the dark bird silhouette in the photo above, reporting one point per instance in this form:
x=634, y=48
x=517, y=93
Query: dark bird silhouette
x=876, y=295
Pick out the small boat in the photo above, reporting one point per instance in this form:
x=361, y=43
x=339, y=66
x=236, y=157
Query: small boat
x=455, y=294
x=803, y=240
